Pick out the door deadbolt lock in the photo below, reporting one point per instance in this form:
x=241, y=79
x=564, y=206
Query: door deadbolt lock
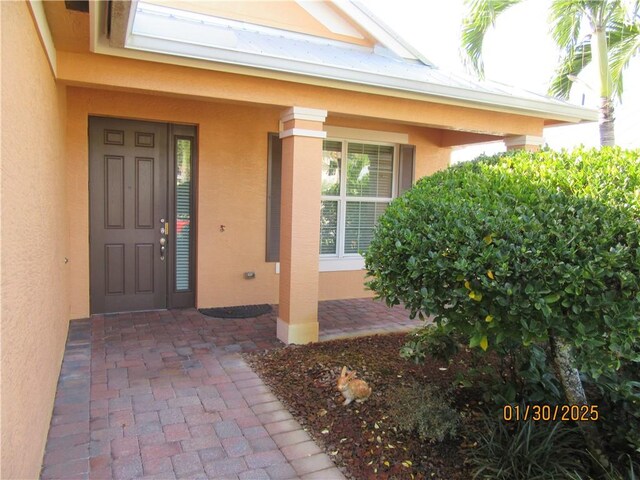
x=164, y=229
x=162, y=224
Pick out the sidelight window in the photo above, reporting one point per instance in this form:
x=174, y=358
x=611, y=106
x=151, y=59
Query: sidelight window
x=184, y=160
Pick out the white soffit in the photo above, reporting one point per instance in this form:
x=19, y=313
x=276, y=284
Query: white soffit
x=329, y=18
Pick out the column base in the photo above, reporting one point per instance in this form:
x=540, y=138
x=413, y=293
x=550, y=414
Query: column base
x=299, y=334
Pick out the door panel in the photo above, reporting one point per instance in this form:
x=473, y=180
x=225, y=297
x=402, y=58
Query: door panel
x=128, y=165
x=114, y=192
x=114, y=261
x=145, y=190
x=144, y=268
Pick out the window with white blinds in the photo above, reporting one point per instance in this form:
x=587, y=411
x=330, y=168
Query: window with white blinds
x=184, y=150
x=357, y=186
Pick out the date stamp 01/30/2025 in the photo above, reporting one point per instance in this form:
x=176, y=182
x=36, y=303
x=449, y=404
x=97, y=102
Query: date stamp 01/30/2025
x=545, y=413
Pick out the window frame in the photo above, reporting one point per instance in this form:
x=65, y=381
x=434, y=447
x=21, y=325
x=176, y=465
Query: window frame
x=183, y=298
x=353, y=261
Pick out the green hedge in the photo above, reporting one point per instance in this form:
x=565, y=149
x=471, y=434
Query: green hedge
x=518, y=247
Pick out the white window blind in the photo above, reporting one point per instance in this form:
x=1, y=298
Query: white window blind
x=329, y=227
x=369, y=170
x=357, y=186
x=361, y=218
x=183, y=213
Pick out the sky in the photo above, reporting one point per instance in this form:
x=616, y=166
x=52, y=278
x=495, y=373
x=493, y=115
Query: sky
x=518, y=51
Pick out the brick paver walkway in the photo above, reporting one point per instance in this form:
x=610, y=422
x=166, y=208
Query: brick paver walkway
x=167, y=395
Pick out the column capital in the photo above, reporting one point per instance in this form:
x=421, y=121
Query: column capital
x=303, y=132
x=523, y=141
x=303, y=113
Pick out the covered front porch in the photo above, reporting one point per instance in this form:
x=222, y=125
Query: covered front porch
x=166, y=394
x=284, y=200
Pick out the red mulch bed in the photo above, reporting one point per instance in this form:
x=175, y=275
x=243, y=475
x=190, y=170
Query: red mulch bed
x=361, y=438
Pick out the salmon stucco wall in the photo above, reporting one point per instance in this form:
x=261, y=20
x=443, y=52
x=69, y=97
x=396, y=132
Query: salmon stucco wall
x=34, y=311
x=135, y=75
x=232, y=186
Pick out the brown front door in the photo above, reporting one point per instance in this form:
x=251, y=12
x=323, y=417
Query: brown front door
x=128, y=170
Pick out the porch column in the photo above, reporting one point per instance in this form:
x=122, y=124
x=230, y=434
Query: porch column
x=301, y=136
x=524, y=142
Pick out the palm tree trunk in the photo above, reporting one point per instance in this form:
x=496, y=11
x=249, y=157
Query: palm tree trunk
x=601, y=60
x=606, y=122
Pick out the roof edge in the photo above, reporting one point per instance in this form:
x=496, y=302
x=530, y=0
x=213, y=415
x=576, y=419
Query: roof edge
x=374, y=84
x=379, y=30
x=469, y=97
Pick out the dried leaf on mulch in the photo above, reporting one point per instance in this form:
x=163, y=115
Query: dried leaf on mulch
x=361, y=438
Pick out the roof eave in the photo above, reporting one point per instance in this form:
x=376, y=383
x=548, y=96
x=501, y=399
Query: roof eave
x=369, y=82
x=547, y=110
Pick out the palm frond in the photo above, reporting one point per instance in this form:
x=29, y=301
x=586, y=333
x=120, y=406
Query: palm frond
x=565, y=19
x=481, y=15
x=572, y=63
x=601, y=12
x=633, y=11
x=624, y=43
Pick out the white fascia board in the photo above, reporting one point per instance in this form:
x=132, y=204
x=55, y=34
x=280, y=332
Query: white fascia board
x=97, y=20
x=523, y=106
x=44, y=32
x=329, y=18
x=379, y=30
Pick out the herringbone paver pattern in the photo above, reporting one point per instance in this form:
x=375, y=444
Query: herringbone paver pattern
x=167, y=395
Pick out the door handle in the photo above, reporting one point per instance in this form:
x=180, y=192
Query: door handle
x=163, y=242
